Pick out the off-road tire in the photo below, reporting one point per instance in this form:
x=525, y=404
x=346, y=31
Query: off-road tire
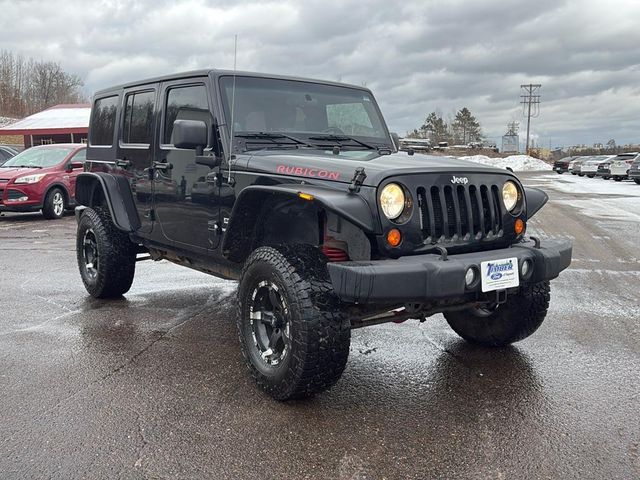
x=590, y=176
x=319, y=332
x=51, y=209
x=510, y=322
x=116, y=255
x=637, y=180
x=617, y=179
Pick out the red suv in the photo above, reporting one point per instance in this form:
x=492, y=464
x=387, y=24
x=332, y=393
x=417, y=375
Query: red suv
x=42, y=178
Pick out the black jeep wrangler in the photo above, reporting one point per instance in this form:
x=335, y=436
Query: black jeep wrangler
x=295, y=188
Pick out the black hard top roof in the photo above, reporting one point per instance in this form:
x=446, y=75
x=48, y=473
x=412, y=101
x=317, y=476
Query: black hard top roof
x=206, y=72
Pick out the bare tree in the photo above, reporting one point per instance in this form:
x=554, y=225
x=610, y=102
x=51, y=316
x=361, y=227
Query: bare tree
x=28, y=86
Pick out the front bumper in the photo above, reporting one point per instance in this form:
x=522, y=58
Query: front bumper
x=634, y=174
x=423, y=278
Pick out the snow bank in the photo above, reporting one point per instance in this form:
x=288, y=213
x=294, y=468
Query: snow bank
x=519, y=163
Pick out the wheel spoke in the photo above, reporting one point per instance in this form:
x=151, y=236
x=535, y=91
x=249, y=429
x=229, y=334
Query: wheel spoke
x=276, y=335
x=275, y=301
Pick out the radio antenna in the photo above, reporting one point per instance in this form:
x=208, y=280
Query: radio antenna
x=233, y=103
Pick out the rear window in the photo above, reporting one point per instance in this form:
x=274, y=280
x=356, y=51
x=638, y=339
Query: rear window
x=138, y=117
x=103, y=121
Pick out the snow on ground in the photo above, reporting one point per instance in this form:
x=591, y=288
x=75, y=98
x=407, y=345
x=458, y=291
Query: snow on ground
x=519, y=163
x=598, y=199
x=567, y=183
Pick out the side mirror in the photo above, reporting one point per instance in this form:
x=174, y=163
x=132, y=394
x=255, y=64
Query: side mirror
x=76, y=165
x=191, y=134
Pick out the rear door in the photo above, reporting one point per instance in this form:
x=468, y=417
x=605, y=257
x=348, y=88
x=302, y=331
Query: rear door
x=186, y=194
x=135, y=147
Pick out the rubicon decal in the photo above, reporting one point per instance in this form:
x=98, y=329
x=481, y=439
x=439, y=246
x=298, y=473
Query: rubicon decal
x=308, y=172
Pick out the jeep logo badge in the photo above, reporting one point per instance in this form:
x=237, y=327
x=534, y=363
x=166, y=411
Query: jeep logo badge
x=462, y=180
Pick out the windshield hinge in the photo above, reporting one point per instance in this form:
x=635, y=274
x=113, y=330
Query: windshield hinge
x=357, y=180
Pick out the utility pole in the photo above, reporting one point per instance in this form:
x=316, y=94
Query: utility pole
x=530, y=100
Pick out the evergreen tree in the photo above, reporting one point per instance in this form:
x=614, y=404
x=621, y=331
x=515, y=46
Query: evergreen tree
x=435, y=128
x=465, y=127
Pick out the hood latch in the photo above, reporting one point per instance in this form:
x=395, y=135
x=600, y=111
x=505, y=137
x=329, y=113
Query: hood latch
x=357, y=180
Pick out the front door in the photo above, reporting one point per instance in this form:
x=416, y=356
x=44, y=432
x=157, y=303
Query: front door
x=135, y=149
x=185, y=193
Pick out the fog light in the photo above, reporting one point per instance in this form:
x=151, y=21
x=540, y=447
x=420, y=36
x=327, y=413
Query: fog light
x=526, y=268
x=19, y=199
x=470, y=277
x=394, y=237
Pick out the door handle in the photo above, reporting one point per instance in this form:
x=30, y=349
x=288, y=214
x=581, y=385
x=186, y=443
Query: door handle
x=162, y=166
x=124, y=163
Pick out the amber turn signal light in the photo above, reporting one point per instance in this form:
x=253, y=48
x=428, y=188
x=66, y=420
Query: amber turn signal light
x=519, y=226
x=394, y=237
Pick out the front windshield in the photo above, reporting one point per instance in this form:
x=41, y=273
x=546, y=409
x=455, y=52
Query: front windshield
x=302, y=109
x=39, y=157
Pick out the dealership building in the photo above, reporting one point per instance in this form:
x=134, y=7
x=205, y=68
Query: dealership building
x=59, y=124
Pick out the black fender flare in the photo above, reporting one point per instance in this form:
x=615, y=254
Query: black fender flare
x=117, y=195
x=351, y=207
x=536, y=199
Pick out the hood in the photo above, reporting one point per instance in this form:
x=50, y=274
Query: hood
x=341, y=168
x=7, y=174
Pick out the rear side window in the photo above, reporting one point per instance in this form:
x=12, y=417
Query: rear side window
x=138, y=117
x=103, y=121
x=185, y=103
x=81, y=156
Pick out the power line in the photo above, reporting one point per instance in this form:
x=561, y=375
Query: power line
x=530, y=100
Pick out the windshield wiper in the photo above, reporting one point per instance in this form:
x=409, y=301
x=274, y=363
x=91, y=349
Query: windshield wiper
x=273, y=137
x=343, y=138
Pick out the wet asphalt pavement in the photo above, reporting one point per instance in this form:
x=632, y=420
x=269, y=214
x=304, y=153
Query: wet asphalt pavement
x=154, y=385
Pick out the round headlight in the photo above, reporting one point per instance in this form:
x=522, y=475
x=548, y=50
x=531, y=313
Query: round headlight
x=392, y=200
x=510, y=195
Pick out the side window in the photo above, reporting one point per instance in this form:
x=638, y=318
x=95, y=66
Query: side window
x=185, y=103
x=103, y=121
x=81, y=156
x=138, y=117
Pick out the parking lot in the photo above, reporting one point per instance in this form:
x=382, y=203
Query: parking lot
x=154, y=386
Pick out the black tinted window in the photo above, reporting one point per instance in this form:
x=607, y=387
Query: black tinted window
x=138, y=117
x=103, y=121
x=185, y=103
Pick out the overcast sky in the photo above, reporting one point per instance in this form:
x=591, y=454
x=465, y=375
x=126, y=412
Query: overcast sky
x=416, y=55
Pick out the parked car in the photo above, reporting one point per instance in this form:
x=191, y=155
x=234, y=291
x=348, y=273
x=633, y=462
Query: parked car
x=634, y=171
x=308, y=204
x=590, y=166
x=42, y=178
x=576, y=164
x=6, y=153
x=621, y=164
x=562, y=165
x=604, y=168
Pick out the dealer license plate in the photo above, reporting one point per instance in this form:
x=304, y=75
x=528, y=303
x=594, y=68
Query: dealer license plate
x=499, y=274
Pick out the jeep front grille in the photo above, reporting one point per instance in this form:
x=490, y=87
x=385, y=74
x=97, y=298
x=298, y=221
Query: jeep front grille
x=460, y=213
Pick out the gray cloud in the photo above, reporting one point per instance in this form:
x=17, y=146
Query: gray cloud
x=417, y=56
